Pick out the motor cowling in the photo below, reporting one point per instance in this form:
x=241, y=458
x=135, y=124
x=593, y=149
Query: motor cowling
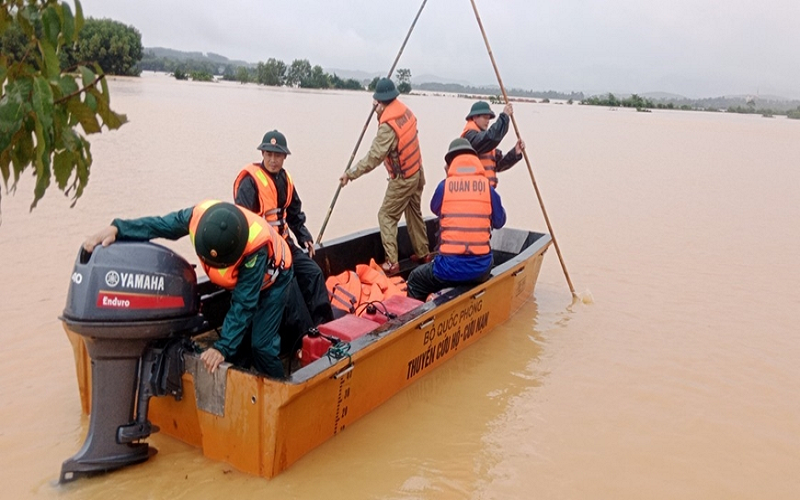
x=135, y=304
x=131, y=281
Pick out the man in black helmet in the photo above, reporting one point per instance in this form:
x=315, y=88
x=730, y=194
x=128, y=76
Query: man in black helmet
x=267, y=189
x=396, y=146
x=239, y=251
x=485, y=139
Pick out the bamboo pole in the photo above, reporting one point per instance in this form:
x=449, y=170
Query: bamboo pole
x=524, y=152
x=366, y=124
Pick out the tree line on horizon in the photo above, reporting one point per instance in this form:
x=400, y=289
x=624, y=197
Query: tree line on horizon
x=300, y=73
x=274, y=72
x=741, y=105
x=457, y=88
x=117, y=48
x=53, y=92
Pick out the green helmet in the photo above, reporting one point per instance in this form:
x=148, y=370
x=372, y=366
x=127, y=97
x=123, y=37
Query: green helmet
x=480, y=108
x=221, y=235
x=385, y=90
x=274, y=141
x=458, y=147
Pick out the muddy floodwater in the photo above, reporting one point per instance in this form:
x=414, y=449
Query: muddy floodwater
x=678, y=378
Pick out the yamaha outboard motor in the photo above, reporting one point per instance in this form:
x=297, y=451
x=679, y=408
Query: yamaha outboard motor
x=134, y=304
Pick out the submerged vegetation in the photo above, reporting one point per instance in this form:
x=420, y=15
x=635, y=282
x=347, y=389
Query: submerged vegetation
x=610, y=100
x=727, y=104
x=494, y=90
x=274, y=72
x=300, y=73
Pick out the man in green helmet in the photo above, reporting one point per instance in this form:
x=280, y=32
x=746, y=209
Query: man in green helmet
x=396, y=146
x=467, y=217
x=239, y=251
x=485, y=139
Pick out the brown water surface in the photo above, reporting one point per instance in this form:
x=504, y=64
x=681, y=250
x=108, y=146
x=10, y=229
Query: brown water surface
x=680, y=380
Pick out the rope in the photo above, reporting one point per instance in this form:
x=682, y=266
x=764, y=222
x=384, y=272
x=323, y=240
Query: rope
x=339, y=350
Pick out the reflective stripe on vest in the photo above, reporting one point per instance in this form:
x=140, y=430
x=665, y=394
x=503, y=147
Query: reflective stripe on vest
x=344, y=291
x=488, y=159
x=260, y=235
x=406, y=160
x=268, y=196
x=466, y=217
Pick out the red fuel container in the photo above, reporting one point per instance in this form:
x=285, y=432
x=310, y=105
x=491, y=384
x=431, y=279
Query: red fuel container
x=313, y=349
x=347, y=328
x=396, y=304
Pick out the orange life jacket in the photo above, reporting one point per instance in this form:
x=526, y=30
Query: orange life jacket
x=397, y=284
x=261, y=235
x=350, y=290
x=375, y=285
x=268, y=196
x=466, y=218
x=488, y=159
x=406, y=160
x=344, y=291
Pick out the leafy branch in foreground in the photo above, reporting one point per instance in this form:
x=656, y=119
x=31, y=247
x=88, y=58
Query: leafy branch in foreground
x=42, y=105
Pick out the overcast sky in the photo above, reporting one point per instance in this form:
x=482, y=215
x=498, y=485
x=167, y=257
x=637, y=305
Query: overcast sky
x=696, y=48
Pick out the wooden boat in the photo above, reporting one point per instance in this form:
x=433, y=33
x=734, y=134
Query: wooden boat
x=262, y=426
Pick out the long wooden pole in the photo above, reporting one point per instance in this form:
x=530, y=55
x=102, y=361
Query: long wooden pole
x=366, y=124
x=524, y=152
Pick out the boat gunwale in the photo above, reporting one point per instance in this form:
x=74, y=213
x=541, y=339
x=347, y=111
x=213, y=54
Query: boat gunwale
x=327, y=366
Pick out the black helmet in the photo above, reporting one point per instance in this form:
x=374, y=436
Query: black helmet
x=385, y=90
x=457, y=147
x=274, y=141
x=480, y=108
x=221, y=236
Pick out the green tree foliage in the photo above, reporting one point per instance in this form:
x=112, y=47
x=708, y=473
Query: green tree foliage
x=404, y=75
x=318, y=79
x=404, y=80
x=298, y=73
x=14, y=44
x=115, y=47
x=634, y=101
x=713, y=104
x=41, y=106
x=272, y=72
x=229, y=74
x=151, y=62
x=349, y=84
x=478, y=92
x=242, y=75
x=201, y=76
x=371, y=86
x=751, y=110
